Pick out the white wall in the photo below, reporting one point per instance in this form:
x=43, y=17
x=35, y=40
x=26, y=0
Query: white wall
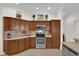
x=1, y=32
x=9, y=10
x=76, y=28
x=69, y=28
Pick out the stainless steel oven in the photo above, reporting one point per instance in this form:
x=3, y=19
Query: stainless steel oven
x=40, y=36
x=40, y=42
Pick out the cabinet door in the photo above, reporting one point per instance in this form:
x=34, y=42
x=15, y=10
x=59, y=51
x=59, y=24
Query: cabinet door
x=55, y=31
x=15, y=24
x=48, y=43
x=6, y=46
x=32, y=42
x=22, y=25
x=32, y=25
x=6, y=23
x=10, y=46
x=13, y=47
x=27, y=25
x=21, y=44
x=47, y=25
x=26, y=45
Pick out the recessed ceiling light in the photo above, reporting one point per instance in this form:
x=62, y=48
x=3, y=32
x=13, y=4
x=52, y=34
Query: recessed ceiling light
x=48, y=8
x=17, y=3
x=37, y=8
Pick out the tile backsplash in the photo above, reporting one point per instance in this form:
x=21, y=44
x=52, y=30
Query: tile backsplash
x=5, y=34
x=15, y=34
x=20, y=33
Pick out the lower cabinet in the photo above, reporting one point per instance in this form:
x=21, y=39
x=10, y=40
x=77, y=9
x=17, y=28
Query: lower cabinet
x=32, y=43
x=18, y=45
x=15, y=46
x=26, y=45
x=48, y=42
x=52, y=43
x=10, y=46
x=21, y=44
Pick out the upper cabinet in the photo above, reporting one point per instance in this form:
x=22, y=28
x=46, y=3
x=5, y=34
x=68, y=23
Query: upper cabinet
x=15, y=24
x=47, y=25
x=6, y=24
x=32, y=24
x=22, y=25
x=10, y=24
x=27, y=25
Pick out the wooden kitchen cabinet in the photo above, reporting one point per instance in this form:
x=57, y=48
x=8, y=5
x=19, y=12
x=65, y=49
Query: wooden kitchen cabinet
x=32, y=25
x=21, y=44
x=26, y=43
x=22, y=25
x=11, y=24
x=47, y=25
x=48, y=42
x=10, y=46
x=27, y=25
x=32, y=43
x=6, y=24
x=55, y=32
x=16, y=46
x=15, y=26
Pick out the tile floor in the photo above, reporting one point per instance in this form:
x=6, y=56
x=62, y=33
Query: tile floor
x=40, y=52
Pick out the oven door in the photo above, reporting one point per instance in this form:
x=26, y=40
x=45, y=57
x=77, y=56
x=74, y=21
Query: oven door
x=40, y=43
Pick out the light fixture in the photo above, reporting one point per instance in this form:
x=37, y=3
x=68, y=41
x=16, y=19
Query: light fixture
x=17, y=3
x=49, y=8
x=37, y=8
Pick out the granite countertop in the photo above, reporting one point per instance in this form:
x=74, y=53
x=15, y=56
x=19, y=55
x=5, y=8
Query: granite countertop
x=25, y=37
x=72, y=45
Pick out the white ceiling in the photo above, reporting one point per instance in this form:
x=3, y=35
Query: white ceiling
x=67, y=8
x=62, y=10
